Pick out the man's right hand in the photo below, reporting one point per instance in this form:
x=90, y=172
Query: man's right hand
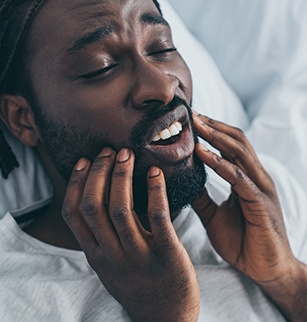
x=149, y=273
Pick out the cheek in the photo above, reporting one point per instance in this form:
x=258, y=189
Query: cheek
x=109, y=125
x=94, y=115
x=185, y=78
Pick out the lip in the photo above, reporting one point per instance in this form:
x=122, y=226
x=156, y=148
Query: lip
x=183, y=148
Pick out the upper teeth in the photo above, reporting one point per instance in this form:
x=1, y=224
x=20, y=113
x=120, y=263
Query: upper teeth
x=173, y=130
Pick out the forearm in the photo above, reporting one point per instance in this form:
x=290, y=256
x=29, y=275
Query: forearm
x=290, y=293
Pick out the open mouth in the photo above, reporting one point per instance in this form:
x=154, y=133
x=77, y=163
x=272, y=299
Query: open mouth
x=169, y=135
x=171, y=139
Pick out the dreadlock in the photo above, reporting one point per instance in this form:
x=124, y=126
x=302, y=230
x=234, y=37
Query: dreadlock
x=15, y=19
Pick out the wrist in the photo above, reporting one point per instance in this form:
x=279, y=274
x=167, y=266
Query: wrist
x=289, y=291
x=169, y=313
x=167, y=317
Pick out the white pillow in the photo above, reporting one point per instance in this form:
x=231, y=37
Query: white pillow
x=261, y=48
x=28, y=187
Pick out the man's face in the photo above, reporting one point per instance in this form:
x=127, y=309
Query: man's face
x=106, y=73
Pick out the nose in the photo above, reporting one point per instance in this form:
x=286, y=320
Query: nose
x=153, y=85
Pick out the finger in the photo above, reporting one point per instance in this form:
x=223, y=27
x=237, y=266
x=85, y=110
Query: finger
x=240, y=182
x=225, y=140
x=237, y=152
x=158, y=209
x=71, y=206
x=121, y=202
x=95, y=200
x=235, y=133
x=252, y=200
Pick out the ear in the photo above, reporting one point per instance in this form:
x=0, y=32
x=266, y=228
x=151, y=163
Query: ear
x=16, y=114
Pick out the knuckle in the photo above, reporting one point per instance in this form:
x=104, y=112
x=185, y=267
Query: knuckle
x=243, y=149
x=240, y=134
x=90, y=207
x=239, y=174
x=211, y=121
x=121, y=174
x=259, y=195
x=156, y=187
x=76, y=180
x=218, y=162
x=214, y=133
x=159, y=216
x=218, y=158
x=120, y=213
x=67, y=211
x=99, y=165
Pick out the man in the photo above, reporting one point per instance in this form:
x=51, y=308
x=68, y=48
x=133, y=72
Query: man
x=105, y=97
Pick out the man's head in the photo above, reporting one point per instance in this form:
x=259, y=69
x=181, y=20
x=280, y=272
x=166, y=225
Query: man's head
x=106, y=73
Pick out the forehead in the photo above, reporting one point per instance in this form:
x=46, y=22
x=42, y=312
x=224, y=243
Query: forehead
x=61, y=22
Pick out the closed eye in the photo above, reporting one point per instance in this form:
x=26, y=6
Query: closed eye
x=99, y=72
x=165, y=51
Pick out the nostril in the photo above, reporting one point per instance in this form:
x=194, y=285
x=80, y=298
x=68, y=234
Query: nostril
x=152, y=103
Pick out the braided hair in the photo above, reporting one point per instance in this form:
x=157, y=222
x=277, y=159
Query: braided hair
x=15, y=19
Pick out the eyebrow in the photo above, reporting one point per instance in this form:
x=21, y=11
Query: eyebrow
x=106, y=30
x=153, y=20
x=91, y=38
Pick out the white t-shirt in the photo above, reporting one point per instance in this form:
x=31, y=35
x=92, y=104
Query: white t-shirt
x=40, y=282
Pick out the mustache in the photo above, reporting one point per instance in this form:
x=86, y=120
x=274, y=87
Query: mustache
x=137, y=137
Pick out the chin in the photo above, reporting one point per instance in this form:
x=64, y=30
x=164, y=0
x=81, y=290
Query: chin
x=184, y=184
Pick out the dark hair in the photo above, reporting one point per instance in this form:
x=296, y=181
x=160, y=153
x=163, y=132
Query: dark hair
x=15, y=18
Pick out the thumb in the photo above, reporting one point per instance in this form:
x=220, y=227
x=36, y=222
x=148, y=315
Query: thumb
x=205, y=208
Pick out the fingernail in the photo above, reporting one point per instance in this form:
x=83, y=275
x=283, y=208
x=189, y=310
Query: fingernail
x=105, y=152
x=81, y=164
x=153, y=172
x=123, y=155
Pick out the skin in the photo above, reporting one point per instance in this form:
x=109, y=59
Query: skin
x=146, y=76
x=248, y=230
x=148, y=268
x=141, y=269
x=142, y=76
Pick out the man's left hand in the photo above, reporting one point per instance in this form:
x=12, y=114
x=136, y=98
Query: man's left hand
x=248, y=230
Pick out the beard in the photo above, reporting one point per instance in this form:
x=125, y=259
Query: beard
x=66, y=144
x=184, y=184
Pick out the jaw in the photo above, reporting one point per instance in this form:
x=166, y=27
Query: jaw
x=184, y=183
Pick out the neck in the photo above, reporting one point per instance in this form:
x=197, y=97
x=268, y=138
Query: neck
x=49, y=227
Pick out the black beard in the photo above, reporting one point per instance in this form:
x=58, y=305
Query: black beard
x=66, y=145
x=185, y=183
x=183, y=187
